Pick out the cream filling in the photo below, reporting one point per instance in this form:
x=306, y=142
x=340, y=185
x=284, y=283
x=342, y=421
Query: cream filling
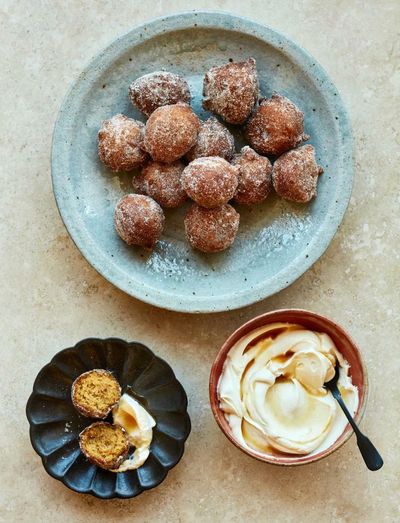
x=271, y=390
x=138, y=423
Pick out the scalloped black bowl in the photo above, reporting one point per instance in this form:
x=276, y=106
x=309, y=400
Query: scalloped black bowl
x=55, y=424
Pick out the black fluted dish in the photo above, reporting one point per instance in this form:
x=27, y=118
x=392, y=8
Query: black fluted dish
x=55, y=424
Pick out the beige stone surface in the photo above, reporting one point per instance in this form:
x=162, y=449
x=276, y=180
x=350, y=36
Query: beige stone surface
x=51, y=298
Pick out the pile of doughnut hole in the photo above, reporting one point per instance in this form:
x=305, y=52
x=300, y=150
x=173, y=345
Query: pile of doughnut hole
x=182, y=158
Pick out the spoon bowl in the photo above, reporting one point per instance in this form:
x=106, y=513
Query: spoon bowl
x=334, y=380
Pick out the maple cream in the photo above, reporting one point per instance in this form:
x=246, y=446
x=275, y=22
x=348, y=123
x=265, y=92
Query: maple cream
x=272, y=390
x=138, y=423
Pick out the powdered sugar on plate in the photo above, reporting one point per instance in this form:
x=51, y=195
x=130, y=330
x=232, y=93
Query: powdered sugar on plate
x=283, y=231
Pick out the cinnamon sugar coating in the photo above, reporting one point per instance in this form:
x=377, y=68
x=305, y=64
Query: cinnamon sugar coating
x=156, y=89
x=170, y=132
x=210, y=181
x=139, y=183
x=211, y=230
x=276, y=126
x=163, y=183
x=255, y=177
x=231, y=90
x=119, y=143
x=295, y=174
x=139, y=220
x=214, y=139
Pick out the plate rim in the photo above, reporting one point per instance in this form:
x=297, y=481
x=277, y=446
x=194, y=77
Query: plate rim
x=207, y=19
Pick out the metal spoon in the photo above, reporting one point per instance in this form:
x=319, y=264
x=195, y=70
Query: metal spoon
x=371, y=456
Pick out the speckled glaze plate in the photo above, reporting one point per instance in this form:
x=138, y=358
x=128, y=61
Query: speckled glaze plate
x=277, y=242
x=55, y=424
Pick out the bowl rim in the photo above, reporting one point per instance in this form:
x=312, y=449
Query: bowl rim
x=70, y=215
x=244, y=329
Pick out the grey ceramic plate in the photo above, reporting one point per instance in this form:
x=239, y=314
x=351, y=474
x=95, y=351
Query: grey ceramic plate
x=277, y=242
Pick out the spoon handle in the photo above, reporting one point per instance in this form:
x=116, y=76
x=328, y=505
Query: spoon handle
x=371, y=456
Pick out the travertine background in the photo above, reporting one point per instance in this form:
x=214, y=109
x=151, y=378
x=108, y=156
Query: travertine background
x=51, y=298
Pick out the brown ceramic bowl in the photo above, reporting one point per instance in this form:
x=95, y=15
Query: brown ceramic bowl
x=311, y=321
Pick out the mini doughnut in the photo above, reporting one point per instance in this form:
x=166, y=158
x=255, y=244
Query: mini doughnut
x=170, y=132
x=156, y=89
x=213, y=140
x=276, y=126
x=210, y=181
x=211, y=230
x=255, y=180
x=163, y=183
x=139, y=183
x=95, y=392
x=231, y=90
x=139, y=220
x=295, y=174
x=119, y=143
x=105, y=445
